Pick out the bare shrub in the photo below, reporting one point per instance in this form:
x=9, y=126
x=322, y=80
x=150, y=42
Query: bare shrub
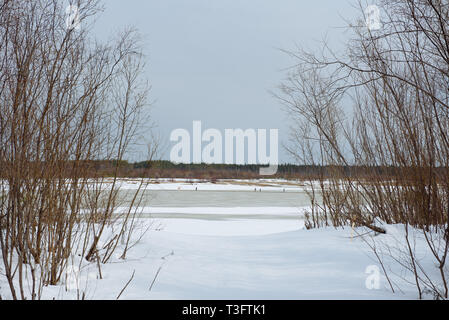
x=377, y=118
x=65, y=100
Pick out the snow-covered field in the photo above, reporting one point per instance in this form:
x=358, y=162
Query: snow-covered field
x=219, y=185
x=242, y=260
x=225, y=252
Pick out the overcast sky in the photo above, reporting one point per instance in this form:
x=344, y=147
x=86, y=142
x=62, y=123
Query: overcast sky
x=216, y=61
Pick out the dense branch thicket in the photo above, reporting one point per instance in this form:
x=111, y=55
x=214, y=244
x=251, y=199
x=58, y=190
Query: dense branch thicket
x=65, y=99
x=384, y=103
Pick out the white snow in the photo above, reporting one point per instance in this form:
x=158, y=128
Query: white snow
x=299, y=264
x=234, y=253
x=273, y=185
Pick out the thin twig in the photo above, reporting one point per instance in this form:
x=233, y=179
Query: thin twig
x=155, y=277
x=124, y=288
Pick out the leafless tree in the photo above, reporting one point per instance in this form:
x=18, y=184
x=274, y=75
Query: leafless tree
x=377, y=118
x=66, y=100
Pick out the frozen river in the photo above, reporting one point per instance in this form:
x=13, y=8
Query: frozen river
x=176, y=198
x=221, y=205
x=227, y=208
